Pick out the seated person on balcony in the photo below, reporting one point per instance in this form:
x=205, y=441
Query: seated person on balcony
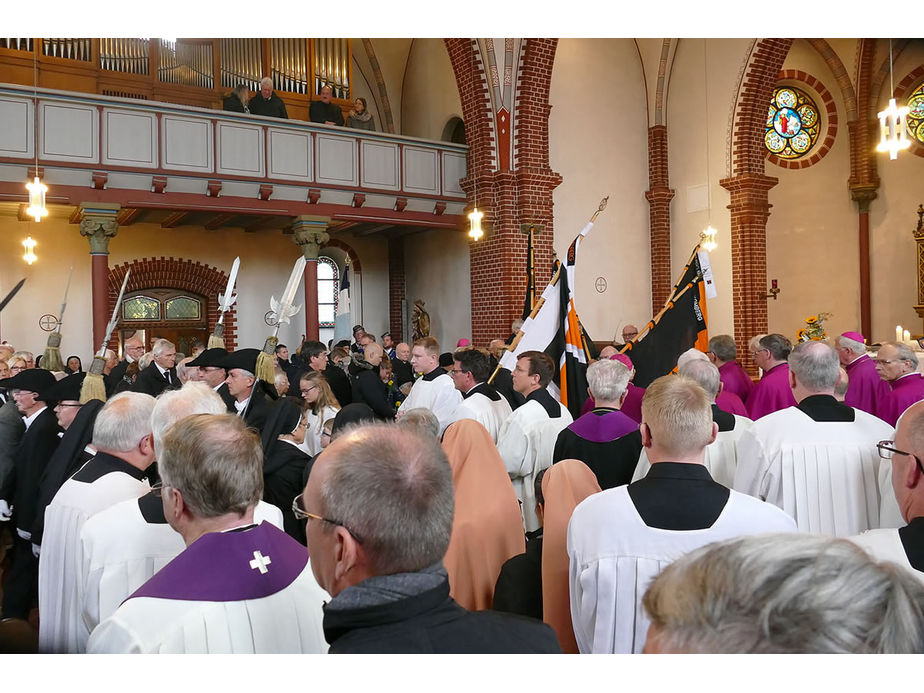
x=237, y=100
x=267, y=102
x=359, y=117
x=324, y=111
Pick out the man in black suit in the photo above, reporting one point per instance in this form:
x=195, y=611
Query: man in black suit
x=133, y=350
x=161, y=374
x=253, y=398
x=20, y=490
x=212, y=372
x=315, y=355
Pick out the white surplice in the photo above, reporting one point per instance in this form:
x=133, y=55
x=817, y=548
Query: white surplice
x=482, y=409
x=721, y=455
x=889, y=514
x=614, y=556
x=824, y=474
x=61, y=583
x=438, y=395
x=526, y=443
x=121, y=551
x=886, y=545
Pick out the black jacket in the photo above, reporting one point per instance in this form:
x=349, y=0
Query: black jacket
x=151, y=382
x=273, y=106
x=232, y=102
x=369, y=389
x=283, y=469
x=432, y=622
x=21, y=488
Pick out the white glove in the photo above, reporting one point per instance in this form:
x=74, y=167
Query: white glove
x=6, y=511
x=36, y=550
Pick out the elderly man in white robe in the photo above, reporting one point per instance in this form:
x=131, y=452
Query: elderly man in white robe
x=471, y=369
x=818, y=460
x=125, y=450
x=905, y=545
x=239, y=587
x=123, y=546
x=621, y=538
x=721, y=455
x=526, y=441
x=434, y=390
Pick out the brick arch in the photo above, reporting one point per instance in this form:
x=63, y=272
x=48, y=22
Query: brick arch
x=902, y=90
x=173, y=273
x=831, y=121
x=354, y=258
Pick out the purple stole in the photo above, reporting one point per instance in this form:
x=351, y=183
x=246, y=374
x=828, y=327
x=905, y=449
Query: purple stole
x=230, y=567
x=865, y=389
x=905, y=391
x=603, y=428
x=772, y=393
x=736, y=380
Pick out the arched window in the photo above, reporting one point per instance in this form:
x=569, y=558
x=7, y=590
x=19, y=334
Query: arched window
x=916, y=113
x=793, y=123
x=328, y=290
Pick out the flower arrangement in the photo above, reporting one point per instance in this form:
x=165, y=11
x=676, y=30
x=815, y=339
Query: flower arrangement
x=814, y=330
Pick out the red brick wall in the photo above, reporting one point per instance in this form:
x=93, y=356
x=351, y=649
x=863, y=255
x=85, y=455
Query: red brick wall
x=659, y=197
x=397, y=288
x=522, y=195
x=172, y=273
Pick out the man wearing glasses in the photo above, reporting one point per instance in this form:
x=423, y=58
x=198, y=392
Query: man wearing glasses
x=212, y=372
x=773, y=392
x=898, y=365
x=125, y=449
x=133, y=349
x=471, y=369
x=905, y=545
x=817, y=460
x=238, y=586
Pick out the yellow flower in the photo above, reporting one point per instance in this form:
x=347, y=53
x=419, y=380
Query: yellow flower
x=800, y=334
x=811, y=320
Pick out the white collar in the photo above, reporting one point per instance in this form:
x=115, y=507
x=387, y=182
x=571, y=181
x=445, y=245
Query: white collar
x=163, y=371
x=29, y=419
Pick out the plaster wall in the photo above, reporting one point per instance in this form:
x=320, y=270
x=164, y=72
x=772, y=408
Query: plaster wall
x=430, y=96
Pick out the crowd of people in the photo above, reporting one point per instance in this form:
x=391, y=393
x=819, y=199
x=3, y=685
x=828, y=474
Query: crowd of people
x=266, y=102
x=450, y=505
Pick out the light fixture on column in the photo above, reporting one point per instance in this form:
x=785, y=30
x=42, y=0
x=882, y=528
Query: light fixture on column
x=36, y=188
x=29, y=244
x=707, y=235
x=892, y=122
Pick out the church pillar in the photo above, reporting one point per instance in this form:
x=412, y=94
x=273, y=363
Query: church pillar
x=309, y=234
x=750, y=209
x=397, y=288
x=659, y=196
x=98, y=224
x=863, y=195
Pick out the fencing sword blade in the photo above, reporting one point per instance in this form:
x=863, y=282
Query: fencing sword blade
x=13, y=292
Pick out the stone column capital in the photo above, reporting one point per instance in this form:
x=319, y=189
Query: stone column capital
x=310, y=234
x=98, y=224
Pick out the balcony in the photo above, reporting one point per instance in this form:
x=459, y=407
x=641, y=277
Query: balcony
x=178, y=165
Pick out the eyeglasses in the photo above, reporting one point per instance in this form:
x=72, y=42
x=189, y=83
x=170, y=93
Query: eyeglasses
x=302, y=514
x=313, y=387
x=62, y=404
x=886, y=451
x=886, y=362
x=456, y=371
x=17, y=368
x=158, y=489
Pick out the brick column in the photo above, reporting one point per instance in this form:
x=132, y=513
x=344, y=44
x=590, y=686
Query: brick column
x=659, y=196
x=397, y=288
x=310, y=234
x=863, y=195
x=98, y=225
x=750, y=209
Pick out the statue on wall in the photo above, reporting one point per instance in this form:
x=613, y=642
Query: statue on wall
x=421, y=320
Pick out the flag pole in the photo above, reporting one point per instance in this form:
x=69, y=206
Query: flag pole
x=657, y=318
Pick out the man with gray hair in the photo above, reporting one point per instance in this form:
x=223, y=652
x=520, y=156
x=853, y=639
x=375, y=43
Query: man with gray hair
x=865, y=389
x=772, y=393
x=727, y=401
x=379, y=504
x=267, y=102
x=123, y=546
x=621, y=538
x=238, y=586
x=421, y=420
x=124, y=442
x=721, y=455
x=723, y=353
x=160, y=374
x=604, y=439
x=898, y=366
x=784, y=594
x=817, y=460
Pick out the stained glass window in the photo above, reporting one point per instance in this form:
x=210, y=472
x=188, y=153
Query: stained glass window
x=793, y=123
x=328, y=288
x=140, y=308
x=916, y=113
x=182, y=308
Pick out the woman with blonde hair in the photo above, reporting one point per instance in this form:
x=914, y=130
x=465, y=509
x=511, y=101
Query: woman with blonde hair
x=321, y=406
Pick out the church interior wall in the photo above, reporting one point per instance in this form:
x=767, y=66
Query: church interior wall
x=598, y=143
x=430, y=96
x=364, y=85
x=392, y=56
x=368, y=295
x=812, y=231
x=893, y=218
x=438, y=271
x=687, y=130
